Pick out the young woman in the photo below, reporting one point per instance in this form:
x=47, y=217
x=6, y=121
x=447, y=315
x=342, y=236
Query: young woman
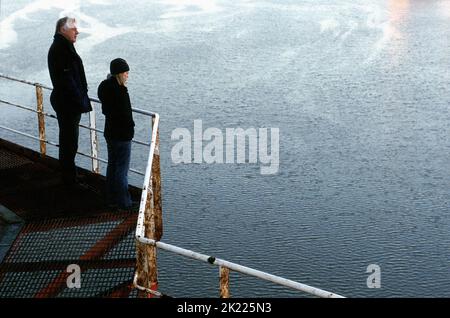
x=119, y=131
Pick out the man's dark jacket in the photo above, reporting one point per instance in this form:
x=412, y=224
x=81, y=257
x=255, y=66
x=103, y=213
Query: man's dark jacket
x=116, y=106
x=69, y=95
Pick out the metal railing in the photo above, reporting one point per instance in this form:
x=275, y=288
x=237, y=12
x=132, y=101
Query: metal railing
x=149, y=233
x=95, y=167
x=149, y=224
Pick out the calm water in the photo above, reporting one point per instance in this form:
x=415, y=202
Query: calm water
x=359, y=90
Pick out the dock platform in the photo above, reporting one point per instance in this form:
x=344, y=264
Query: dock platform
x=45, y=228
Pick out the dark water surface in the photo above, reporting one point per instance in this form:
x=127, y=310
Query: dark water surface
x=360, y=93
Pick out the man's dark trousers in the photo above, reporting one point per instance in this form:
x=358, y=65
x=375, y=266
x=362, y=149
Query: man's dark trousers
x=68, y=145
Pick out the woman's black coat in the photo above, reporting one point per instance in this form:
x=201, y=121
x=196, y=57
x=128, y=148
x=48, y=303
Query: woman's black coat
x=116, y=106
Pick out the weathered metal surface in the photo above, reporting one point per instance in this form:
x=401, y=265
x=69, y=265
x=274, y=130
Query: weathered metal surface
x=41, y=119
x=150, y=218
x=94, y=143
x=147, y=268
x=224, y=282
x=157, y=195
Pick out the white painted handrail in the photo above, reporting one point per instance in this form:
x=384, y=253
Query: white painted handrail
x=147, y=186
x=241, y=269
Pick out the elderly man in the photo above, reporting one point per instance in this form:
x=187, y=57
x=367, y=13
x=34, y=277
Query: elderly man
x=69, y=97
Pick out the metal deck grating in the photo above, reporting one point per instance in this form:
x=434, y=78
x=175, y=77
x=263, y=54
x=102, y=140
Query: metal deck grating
x=62, y=226
x=10, y=160
x=60, y=244
x=122, y=247
x=103, y=246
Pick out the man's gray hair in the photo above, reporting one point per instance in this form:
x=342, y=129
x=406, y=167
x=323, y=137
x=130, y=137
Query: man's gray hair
x=65, y=23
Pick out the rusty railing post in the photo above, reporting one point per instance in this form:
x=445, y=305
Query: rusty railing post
x=41, y=119
x=94, y=142
x=141, y=267
x=224, y=282
x=156, y=184
x=150, y=257
x=147, y=270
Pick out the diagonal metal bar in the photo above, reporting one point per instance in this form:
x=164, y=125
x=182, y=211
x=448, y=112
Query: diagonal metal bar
x=45, y=227
x=95, y=252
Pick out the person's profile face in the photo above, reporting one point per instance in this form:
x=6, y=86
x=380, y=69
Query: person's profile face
x=70, y=32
